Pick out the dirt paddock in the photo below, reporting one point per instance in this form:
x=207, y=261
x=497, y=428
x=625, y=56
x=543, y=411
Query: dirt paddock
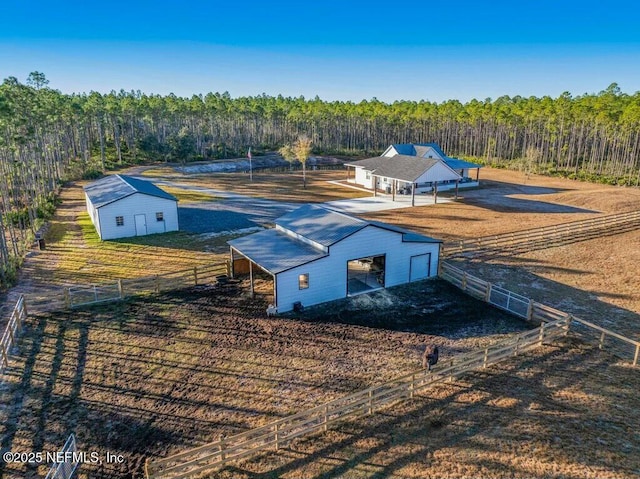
x=155, y=377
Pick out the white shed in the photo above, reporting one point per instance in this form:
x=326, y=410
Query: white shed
x=121, y=206
x=315, y=254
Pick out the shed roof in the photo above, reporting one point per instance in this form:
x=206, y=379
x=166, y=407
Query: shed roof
x=399, y=167
x=321, y=225
x=115, y=187
x=275, y=251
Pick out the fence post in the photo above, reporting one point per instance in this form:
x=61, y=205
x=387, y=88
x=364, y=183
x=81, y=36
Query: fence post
x=120, y=290
x=488, y=295
x=222, y=455
x=5, y=356
x=326, y=414
x=24, y=306
x=601, y=343
x=195, y=275
x=370, y=410
x=275, y=427
x=486, y=358
x=412, y=386
x=530, y=310
x=541, y=337
x=569, y=320
x=517, y=348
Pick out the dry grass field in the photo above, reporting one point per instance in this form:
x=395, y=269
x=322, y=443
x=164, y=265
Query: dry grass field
x=157, y=376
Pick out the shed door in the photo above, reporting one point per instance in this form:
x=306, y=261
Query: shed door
x=420, y=267
x=141, y=225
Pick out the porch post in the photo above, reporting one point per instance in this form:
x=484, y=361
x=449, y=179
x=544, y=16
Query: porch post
x=413, y=194
x=435, y=192
x=373, y=178
x=477, y=174
x=251, y=277
x=393, y=190
x=457, y=181
x=232, y=261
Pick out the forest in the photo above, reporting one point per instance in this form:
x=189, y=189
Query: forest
x=48, y=138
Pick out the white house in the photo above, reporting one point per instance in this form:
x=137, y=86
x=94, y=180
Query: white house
x=315, y=254
x=121, y=206
x=413, y=168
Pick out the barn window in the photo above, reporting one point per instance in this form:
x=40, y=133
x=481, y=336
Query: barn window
x=160, y=216
x=368, y=175
x=119, y=220
x=303, y=281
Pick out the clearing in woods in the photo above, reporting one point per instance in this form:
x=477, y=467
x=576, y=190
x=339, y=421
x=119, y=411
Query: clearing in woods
x=133, y=378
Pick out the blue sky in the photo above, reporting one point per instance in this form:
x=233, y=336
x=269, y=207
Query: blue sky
x=338, y=50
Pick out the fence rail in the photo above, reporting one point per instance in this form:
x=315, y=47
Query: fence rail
x=539, y=313
x=83, y=295
x=544, y=237
x=66, y=468
x=12, y=331
x=553, y=324
x=218, y=454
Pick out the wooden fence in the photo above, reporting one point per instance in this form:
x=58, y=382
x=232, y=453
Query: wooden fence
x=276, y=434
x=545, y=237
x=76, y=296
x=553, y=323
x=83, y=295
x=12, y=331
x=539, y=313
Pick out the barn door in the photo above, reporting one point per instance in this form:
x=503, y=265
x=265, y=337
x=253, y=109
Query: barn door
x=141, y=225
x=420, y=267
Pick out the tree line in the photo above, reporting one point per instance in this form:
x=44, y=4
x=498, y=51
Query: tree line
x=47, y=137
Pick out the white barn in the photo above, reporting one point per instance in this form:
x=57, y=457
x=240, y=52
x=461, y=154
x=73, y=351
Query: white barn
x=121, y=206
x=315, y=254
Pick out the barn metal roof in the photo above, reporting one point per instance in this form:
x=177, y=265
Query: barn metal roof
x=115, y=187
x=320, y=224
x=275, y=251
x=399, y=167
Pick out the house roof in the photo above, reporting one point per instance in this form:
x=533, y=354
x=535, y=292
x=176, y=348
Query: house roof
x=417, y=149
x=399, y=167
x=321, y=225
x=115, y=187
x=458, y=164
x=275, y=251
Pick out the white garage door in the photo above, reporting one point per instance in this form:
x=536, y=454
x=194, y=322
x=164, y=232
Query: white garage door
x=420, y=267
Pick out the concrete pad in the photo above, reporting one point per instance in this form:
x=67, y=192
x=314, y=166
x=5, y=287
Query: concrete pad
x=381, y=203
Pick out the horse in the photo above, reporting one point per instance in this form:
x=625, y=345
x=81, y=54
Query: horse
x=430, y=356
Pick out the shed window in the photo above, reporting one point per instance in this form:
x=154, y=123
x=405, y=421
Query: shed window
x=160, y=216
x=119, y=220
x=303, y=281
